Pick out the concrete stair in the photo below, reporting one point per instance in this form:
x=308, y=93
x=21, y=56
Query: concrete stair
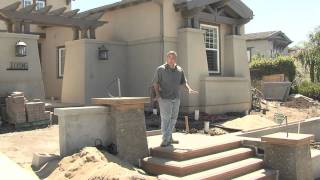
x=183, y=154
x=222, y=160
x=262, y=174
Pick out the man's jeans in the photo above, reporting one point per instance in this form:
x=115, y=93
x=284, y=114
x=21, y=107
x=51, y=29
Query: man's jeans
x=169, y=110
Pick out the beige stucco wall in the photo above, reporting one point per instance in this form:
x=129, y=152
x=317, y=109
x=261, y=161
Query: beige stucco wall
x=87, y=77
x=262, y=47
x=216, y=94
x=133, y=23
x=30, y=81
x=225, y=94
x=55, y=37
x=144, y=39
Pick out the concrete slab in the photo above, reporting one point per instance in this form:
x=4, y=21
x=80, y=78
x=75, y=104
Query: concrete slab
x=191, y=141
x=120, y=100
x=292, y=138
x=11, y=170
x=315, y=156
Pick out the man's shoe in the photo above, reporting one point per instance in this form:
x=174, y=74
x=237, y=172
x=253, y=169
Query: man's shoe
x=164, y=144
x=173, y=141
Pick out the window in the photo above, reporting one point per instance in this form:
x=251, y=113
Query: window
x=26, y=2
x=40, y=4
x=249, y=53
x=61, y=60
x=211, y=39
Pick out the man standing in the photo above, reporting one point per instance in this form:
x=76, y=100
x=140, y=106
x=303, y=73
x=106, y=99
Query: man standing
x=168, y=79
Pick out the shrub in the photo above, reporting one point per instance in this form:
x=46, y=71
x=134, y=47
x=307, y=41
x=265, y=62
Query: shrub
x=261, y=66
x=309, y=89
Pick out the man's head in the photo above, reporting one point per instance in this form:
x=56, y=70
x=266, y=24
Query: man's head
x=171, y=58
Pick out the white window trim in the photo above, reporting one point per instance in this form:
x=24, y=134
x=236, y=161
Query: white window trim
x=23, y=2
x=40, y=2
x=218, y=46
x=60, y=73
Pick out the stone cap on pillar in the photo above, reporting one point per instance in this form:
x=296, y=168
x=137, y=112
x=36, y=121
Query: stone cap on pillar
x=293, y=139
x=118, y=101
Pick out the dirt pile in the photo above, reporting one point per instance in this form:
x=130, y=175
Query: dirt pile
x=299, y=101
x=249, y=122
x=91, y=164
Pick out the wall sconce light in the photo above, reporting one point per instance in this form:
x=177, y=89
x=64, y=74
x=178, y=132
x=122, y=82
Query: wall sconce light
x=103, y=53
x=21, y=49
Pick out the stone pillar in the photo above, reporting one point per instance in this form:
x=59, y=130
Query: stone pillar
x=129, y=128
x=290, y=155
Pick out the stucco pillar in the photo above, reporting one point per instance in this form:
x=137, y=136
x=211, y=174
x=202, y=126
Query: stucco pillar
x=236, y=60
x=192, y=58
x=14, y=76
x=74, y=78
x=289, y=154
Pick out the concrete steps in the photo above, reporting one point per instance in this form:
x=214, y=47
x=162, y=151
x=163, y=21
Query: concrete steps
x=262, y=174
x=218, y=160
x=180, y=154
x=226, y=172
x=155, y=165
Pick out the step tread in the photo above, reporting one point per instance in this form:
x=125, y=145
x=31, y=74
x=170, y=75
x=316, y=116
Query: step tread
x=258, y=175
x=198, y=160
x=222, y=170
x=178, y=153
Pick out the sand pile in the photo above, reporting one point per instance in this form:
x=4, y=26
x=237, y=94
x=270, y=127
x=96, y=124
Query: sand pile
x=91, y=164
x=249, y=122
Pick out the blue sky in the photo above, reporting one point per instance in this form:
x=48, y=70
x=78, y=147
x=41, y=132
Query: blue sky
x=293, y=17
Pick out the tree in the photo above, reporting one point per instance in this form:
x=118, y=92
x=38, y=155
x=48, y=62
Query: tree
x=310, y=55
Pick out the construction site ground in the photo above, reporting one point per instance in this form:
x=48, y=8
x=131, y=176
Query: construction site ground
x=20, y=146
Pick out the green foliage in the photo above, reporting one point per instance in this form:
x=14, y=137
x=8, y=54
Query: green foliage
x=261, y=66
x=309, y=89
x=310, y=55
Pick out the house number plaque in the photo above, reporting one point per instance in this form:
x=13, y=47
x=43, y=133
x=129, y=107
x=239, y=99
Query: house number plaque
x=18, y=66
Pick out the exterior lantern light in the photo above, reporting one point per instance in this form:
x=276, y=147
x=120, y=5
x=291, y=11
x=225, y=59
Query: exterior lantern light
x=21, y=49
x=103, y=53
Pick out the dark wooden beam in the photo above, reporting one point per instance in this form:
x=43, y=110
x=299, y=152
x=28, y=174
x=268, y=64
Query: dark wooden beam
x=44, y=17
x=95, y=16
x=27, y=9
x=57, y=12
x=75, y=33
x=12, y=7
x=200, y=3
x=218, y=19
x=51, y=20
x=92, y=32
x=71, y=13
x=44, y=10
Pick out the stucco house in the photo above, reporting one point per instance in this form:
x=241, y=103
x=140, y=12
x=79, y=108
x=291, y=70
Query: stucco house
x=267, y=44
x=135, y=34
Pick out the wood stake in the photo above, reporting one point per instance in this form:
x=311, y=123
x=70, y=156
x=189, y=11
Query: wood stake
x=186, y=120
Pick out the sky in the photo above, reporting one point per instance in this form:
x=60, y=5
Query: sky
x=295, y=18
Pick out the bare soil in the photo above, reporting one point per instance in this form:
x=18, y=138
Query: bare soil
x=91, y=164
x=20, y=146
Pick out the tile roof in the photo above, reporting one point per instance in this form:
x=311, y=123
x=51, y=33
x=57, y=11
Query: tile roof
x=260, y=35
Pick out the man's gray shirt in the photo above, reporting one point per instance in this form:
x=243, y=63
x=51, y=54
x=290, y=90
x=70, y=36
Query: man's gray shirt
x=169, y=80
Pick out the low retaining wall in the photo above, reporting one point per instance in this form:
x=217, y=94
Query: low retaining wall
x=82, y=126
x=309, y=126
